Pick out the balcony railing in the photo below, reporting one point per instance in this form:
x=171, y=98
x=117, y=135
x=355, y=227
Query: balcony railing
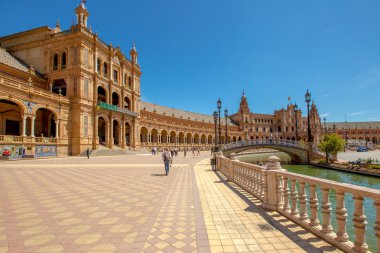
x=17, y=140
x=115, y=108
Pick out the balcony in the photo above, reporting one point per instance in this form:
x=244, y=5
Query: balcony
x=115, y=108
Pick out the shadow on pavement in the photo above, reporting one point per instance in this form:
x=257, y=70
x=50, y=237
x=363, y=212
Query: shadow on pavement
x=158, y=175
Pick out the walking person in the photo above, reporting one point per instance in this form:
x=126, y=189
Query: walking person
x=184, y=152
x=166, y=157
x=198, y=152
x=88, y=153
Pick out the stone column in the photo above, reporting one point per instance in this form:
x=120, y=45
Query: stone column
x=111, y=140
x=95, y=134
x=230, y=176
x=24, y=125
x=33, y=122
x=57, y=129
x=120, y=137
x=271, y=183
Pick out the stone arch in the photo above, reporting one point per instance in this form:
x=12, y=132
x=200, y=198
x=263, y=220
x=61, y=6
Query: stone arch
x=115, y=98
x=228, y=139
x=37, y=107
x=45, y=123
x=196, y=138
x=11, y=118
x=102, y=94
x=181, y=138
x=164, y=136
x=154, y=134
x=127, y=103
x=234, y=139
x=239, y=139
x=144, y=134
x=209, y=139
x=203, y=139
x=103, y=125
x=116, y=124
x=188, y=138
x=173, y=136
x=128, y=132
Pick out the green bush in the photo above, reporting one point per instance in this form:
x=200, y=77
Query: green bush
x=374, y=166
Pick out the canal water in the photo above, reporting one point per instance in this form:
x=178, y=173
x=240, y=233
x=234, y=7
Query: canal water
x=338, y=176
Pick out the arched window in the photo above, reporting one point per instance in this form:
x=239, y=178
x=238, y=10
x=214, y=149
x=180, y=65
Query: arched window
x=105, y=69
x=63, y=60
x=55, y=62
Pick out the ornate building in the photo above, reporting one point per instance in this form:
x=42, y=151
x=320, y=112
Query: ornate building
x=63, y=91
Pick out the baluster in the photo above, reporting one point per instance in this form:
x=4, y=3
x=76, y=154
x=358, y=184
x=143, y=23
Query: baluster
x=377, y=223
x=341, y=217
x=286, y=195
x=264, y=188
x=280, y=193
x=303, y=198
x=313, y=201
x=360, y=223
x=326, y=211
x=261, y=185
x=294, y=196
x=256, y=185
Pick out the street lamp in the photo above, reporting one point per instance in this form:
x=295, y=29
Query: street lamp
x=226, y=115
x=308, y=99
x=219, y=104
x=295, y=114
x=215, y=115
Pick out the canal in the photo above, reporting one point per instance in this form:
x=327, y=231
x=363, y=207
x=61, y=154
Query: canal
x=338, y=176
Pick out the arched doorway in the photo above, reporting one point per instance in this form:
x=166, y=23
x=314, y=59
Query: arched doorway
x=155, y=136
x=11, y=120
x=45, y=123
x=144, y=134
x=228, y=139
x=164, y=136
x=188, y=138
x=196, y=138
x=172, y=137
x=127, y=134
x=102, y=130
x=127, y=103
x=181, y=138
x=116, y=133
x=102, y=94
x=209, y=139
x=203, y=139
x=239, y=139
x=234, y=139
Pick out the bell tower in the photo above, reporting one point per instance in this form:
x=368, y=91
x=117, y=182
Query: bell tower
x=244, y=113
x=82, y=14
x=133, y=54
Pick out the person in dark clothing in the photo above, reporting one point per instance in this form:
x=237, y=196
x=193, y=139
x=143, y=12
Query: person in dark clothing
x=88, y=153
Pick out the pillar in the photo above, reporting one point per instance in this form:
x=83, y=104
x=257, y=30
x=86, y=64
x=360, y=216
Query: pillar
x=33, y=122
x=57, y=129
x=271, y=183
x=111, y=141
x=24, y=126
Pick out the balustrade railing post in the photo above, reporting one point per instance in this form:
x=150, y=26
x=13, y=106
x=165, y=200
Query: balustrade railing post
x=294, y=197
x=341, y=217
x=360, y=223
x=286, y=195
x=313, y=201
x=377, y=223
x=303, y=199
x=271, y=200
x=326, y=212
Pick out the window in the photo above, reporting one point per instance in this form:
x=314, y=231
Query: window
x=125, y=79
x=85, y=125
x=130, y=82
x=55, y=62
x=63, y=61
x=105, y=69
x=115, y=75
x=85, y=88
x=98, y=65
x=85, y=57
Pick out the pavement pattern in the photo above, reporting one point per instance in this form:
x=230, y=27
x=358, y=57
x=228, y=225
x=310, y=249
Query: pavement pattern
x=126, y=204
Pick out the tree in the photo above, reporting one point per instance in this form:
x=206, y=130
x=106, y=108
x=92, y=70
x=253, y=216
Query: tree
x=331, y=145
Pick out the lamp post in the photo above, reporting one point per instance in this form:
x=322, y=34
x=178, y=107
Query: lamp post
x=215, y=115
x=219, y=104
x=308, y=99
x=226, y=116
x=295, y=114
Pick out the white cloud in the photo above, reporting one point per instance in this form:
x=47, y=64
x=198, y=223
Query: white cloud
x=374, y=119
x=358, y=113
x=325, y=114
x=327, y=95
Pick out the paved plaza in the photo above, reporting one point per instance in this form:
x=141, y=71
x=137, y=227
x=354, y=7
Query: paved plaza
x=126, y=204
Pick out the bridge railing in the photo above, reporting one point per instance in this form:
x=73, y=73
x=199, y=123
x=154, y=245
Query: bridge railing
x=296, y=197
x=258, y=142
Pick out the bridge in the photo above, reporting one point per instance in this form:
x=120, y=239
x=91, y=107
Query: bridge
x=297, y=150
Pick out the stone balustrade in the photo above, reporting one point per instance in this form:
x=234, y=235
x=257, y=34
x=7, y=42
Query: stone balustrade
x=295, y=196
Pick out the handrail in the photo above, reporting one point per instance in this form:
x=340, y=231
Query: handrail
x=259, y=142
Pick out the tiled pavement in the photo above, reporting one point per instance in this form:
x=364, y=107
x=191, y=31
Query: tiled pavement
x=125, y=204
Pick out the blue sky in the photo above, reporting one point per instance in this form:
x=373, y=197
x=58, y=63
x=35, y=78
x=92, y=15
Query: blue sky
x=192, y=52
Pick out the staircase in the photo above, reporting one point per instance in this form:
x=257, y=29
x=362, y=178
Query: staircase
x=116, y=151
